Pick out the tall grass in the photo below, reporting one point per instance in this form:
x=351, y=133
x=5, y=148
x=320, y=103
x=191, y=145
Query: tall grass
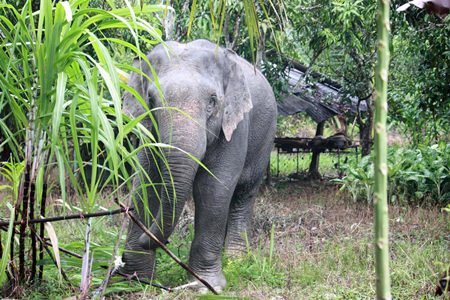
x=61, y=109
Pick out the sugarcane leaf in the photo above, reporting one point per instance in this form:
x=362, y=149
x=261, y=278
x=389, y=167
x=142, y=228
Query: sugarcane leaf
x=54, y=241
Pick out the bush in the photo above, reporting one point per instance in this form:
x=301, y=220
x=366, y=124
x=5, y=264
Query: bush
x=415, y=175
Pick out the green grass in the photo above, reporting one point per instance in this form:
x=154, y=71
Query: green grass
x=322, y=249
x=288, y=163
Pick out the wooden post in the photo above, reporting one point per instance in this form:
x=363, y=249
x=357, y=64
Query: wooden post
x=314, y=165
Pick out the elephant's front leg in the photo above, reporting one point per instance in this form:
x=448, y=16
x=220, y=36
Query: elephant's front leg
x=139, y=261
x=212, y=200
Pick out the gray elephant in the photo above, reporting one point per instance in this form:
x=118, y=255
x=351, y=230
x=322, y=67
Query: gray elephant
x=226, y=118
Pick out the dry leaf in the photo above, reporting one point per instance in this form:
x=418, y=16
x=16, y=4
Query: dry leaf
x=54, y=240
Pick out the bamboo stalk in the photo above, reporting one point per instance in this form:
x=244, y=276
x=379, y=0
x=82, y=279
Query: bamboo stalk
x=381, y=167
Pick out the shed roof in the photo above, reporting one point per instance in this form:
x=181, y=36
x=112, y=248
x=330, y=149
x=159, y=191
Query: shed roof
x=320, y=100
x=293, y=104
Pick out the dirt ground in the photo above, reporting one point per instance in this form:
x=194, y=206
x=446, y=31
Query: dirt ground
x=312, y=222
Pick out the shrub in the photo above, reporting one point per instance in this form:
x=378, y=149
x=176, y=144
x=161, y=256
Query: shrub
x=415, y=175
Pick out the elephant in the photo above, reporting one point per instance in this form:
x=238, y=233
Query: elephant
x=225, y=117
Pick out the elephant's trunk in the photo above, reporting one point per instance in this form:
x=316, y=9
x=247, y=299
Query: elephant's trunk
x=178, y=174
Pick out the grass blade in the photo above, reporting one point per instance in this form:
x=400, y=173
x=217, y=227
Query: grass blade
x=5, y=256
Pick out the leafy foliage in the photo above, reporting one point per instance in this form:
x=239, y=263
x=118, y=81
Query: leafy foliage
x=64, y=88
x=419, y=94
x=414, y=175
x=60, y=96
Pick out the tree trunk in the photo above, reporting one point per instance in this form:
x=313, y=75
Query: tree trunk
x=314, y=166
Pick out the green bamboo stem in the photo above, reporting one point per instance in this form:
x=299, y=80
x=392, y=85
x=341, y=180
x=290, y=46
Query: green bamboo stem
x=381, y=167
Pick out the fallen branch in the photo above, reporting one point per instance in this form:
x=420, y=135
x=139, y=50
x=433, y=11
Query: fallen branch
x=135, y=278
x=50, y=245
x=164, y=247
x=69, y=217
x=116, y=272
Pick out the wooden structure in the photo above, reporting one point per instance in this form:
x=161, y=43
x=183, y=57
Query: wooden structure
x=321, y=101
x=336, y=144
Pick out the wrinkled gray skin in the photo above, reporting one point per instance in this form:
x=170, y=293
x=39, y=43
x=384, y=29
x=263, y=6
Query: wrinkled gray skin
x=230, y=130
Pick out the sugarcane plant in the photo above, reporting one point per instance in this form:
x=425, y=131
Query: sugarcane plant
x=60, y=88
x=381, y=167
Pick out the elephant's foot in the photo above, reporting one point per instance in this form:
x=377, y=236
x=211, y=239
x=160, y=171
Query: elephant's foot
x=133, y=274
x=216, y=280
x=137, y=265
x=236, y=250
x=236, y=245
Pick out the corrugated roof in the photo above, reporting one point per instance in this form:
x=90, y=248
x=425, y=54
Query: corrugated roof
x=293, y=104
x=320, y=101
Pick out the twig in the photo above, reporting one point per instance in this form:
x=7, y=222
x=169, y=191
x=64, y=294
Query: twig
x=135, y=278
x=304, y=8
x=48, y=244
x=164, y=247
x=70, y=217
x=65, y=251
x=184, y=286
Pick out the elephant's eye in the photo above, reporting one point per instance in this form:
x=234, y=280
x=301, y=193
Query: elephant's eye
x=212, y=100
x=212, y=103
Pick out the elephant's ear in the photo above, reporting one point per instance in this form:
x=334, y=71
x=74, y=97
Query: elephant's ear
x=237, y=95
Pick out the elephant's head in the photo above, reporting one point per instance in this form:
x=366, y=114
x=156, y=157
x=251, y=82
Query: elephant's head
x=207, y=87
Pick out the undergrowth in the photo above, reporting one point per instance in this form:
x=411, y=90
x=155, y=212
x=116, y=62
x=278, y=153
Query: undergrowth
x=416, y=175
x=311, y=248
x=287, y=164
